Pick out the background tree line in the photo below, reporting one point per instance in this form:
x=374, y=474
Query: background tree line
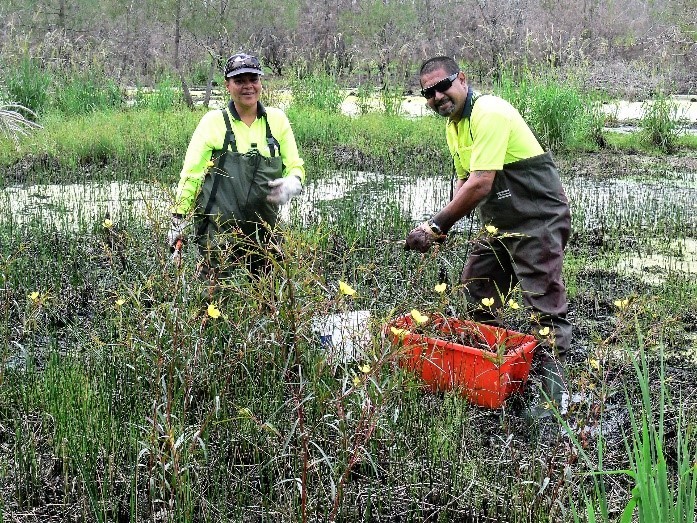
x=634, y=46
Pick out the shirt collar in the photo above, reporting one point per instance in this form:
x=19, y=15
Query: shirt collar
x=261, y=110
x=467, y=109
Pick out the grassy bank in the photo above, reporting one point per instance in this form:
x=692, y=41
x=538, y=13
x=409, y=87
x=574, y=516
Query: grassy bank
x=92, y=136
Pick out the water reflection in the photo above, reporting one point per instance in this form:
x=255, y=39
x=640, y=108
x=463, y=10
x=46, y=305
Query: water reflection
x=595, y=203
x=619, y=205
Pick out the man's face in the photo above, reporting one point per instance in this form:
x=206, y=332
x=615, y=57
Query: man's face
x=451, y=101
x=244, y=89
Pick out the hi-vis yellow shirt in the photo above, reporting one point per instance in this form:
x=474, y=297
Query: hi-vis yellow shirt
x=494, y=135
x=210, y=135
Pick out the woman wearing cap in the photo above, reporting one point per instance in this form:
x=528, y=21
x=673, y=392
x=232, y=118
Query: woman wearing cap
x=241, y=165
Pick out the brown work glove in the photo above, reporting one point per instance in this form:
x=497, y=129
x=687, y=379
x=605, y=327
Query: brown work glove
x=422, y=237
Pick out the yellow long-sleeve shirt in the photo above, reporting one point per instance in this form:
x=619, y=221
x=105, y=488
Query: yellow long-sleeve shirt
x=210, y=135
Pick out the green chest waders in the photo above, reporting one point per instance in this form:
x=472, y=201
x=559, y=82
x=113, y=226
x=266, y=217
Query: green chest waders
x=232, y=200
x=525, y=195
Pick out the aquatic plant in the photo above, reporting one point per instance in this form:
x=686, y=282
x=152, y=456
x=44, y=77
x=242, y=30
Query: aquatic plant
x=660, y=123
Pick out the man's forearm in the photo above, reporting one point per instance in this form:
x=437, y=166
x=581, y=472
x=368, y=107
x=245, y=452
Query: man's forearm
x=466, y=198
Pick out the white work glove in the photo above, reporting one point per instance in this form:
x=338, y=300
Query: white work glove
x=176, y=232
x=283, y=189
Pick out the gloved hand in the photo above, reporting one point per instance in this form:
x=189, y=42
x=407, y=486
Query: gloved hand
x=283, y=189
x=422, y=237
x=176, y=231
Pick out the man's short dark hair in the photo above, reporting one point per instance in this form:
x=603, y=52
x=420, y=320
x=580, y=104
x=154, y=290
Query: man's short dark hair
x=439, y=62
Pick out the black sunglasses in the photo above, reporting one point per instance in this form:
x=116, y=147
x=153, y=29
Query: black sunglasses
x=441, y=87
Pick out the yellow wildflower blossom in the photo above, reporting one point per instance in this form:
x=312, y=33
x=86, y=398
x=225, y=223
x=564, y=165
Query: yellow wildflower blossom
x=34, y=296
x=419, y=318
x=120, y=302
x=365, y=369
x=357, y=381
x=440, y=288
x=346, y=289
x=213, y=311
x=491, y=229
x=107, y=224
x=400, y=333
x=513, y=304
x=544, y=331
x=487, y=302
x=621, y=304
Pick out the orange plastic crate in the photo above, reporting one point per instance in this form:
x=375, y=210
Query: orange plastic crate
x=483, y=377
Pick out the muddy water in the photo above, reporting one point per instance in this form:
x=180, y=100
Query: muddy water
x=623, y=111
x=653, y=268
x=610, y=203
x=596, y=204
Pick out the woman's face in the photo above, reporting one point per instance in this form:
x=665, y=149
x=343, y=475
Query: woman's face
x=244, y=89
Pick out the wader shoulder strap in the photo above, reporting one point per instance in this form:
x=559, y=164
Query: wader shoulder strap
x=475, y=97
x=270, y=140
x=229, y=142
x=229, y=135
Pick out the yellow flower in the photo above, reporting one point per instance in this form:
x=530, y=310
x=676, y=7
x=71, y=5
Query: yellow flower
x=544, y=331
x=400, y=333
x=365, y=369
x=594, y=363
x=34, y=296
x=356, y=381
x=210, y=163
x=107, y=223
x=513, y=304
x=487, y=302
x=419, y=318
x=440, y=288
x=213, y=311
x=621, y=304
x=345, y=288
x=491, y=229
x=120, y=302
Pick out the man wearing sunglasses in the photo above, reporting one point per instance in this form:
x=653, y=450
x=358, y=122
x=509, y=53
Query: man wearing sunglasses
x=503, y=173
x=242, y=163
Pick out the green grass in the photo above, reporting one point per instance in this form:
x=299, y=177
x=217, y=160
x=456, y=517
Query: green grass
x=633, y=142
x=660, y=491
x=82, y=130
x=564, y=116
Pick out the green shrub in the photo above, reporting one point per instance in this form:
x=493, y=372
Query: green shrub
x=85, y=92
x=319, y=91
x=561, y=114
x=391, y=99
x=167, y=94
x=364, y=95
x=27, y=85
x=660, y=123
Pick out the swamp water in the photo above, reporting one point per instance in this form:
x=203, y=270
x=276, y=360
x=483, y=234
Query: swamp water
x=664, y=210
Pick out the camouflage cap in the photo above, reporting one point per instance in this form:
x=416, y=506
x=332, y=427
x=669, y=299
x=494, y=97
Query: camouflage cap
x=240, y=63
